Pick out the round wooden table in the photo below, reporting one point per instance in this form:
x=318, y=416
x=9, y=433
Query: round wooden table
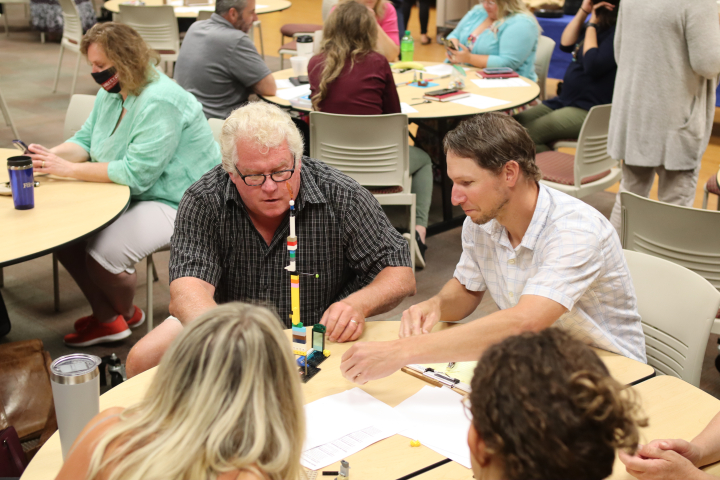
x=515, y=96
x=388, y=459
x=191, y=11
x=65, y=210
x=442, y=113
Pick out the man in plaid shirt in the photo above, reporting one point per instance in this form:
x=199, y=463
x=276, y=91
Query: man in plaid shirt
x=229, y=242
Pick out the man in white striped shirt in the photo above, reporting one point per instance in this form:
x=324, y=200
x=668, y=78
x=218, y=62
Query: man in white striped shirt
x=547, y=259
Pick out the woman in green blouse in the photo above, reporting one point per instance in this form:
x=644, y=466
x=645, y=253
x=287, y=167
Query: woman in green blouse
x=145, y=132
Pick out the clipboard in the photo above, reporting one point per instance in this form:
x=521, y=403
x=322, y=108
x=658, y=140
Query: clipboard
x=437, y=378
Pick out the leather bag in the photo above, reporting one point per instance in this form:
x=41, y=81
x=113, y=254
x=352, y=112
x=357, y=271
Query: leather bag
x=26, y=401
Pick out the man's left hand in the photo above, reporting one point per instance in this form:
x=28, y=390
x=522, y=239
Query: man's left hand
x=367, y=361
x=344, y=323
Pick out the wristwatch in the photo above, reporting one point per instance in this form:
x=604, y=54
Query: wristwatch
x=591, y=24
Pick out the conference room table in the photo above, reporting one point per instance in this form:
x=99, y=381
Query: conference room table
x=442, y=113
x=192, y=11
x=66, y=210
x=388, y=459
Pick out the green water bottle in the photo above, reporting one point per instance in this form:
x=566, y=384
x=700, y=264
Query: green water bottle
x=407, y=47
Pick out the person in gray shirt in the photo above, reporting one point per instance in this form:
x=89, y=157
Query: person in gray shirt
x=218, y=62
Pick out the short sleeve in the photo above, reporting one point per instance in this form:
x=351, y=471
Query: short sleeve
x=371, y=242
x=246, y=64
x=194, y=250
x=389, y=23
x=570, y=262
x=516, y=43
x=467, y=271
x=83, y=137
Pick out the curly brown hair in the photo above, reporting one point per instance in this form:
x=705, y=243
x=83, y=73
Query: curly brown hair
x=126, y=49
x=545, y=404
x=492, y=140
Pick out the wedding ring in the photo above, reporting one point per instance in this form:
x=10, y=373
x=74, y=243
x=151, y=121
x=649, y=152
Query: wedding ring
x=43, y=164
x=353, y=321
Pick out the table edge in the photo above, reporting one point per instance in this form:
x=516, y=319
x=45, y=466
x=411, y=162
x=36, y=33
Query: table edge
x=56, y=247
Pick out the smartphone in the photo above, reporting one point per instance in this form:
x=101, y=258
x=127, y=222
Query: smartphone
x=20, y=145
x=497, y=71
x=448, y=44
x=438, y=93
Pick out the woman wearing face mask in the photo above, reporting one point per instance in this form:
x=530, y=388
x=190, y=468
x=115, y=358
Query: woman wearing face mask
x=544, y=406
x=145, y=132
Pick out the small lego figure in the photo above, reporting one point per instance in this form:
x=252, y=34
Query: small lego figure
x=344, y=470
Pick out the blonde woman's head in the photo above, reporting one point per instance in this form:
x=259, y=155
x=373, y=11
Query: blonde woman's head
x=225, y=397
x=377, y=6
x=499, y=10
x=125, y=50
x=349, y=33
x=263, y=124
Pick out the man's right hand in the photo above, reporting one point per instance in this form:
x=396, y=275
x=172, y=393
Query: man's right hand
x=419, y=319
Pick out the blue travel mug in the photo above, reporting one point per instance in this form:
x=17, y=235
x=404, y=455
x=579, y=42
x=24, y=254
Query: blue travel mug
x=22, y=182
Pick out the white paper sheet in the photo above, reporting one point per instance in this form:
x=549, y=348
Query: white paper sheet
x=439, y=69
x=405, y=108
x=480, y=102
x=500, y=82
x=329, y=453
x=439, y=422
x=283, y=84
x=294, y=92
x=336, y=416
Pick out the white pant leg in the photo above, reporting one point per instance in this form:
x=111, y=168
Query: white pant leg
x=145, y=227
x=637, y=180
x=677, y=186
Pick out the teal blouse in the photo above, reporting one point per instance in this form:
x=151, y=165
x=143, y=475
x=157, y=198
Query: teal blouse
x=162, y=145
x=514, y=45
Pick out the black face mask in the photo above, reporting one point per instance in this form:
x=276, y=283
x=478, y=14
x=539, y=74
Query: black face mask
x=108, y=79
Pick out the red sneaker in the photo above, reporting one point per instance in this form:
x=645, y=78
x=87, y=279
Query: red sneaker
x=135, y=321
x=96, y=332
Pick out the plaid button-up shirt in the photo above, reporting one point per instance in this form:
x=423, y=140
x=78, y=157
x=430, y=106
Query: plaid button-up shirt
x=343, y=235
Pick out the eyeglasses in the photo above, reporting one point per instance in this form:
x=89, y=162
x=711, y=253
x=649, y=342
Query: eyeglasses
x=257, y=180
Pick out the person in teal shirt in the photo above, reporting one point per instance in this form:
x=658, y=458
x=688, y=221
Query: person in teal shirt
x=497, y=33
x=145, y=132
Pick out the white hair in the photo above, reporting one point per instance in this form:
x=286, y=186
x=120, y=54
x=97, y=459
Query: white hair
x=264, y=124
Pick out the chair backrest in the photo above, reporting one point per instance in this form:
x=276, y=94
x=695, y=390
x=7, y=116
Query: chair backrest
x=216, y=126
x=78, y=111
x=157, y=25
x=591, y=156
x=682, y=235
x=372, y=149
x=204, y=15
x=545, y=48
x=72, y=26
x=677, y=308
x=327, y=6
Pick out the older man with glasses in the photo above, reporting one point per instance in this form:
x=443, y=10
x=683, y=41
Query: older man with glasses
x=230, y=238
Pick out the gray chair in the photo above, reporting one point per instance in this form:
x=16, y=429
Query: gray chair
x=591, y=169
x=682, y=235
x=545, y=48
x=372, y=149
x=72, y=36
x=677, y=307
x=158, y=26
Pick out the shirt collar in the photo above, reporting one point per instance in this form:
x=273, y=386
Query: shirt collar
x=542, y=208
x=539, y=218
x=309, y=190
x=221, y=20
